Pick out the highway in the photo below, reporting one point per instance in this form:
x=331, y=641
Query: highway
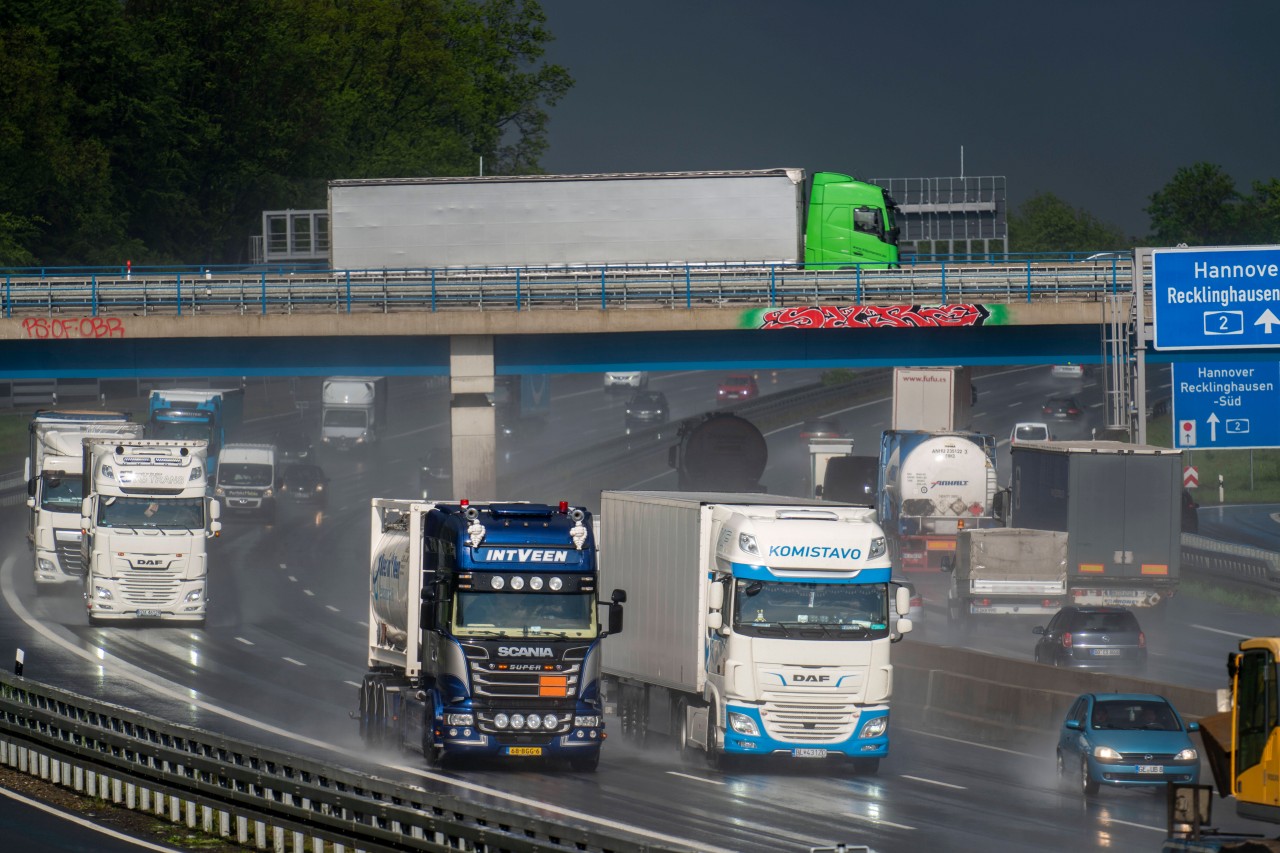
x=283, y=653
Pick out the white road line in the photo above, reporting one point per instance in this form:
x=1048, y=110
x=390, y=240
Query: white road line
x=352, y=683
x=1108, y=820
x=695, y=778
x=877, y=821
x=295, y=662
x=283, y=566
x=1226, y=633
x=308, y=592
x=934, y=782
x=243, y=640
x=292, y=578
x=975, y=743
x=96, y=827
x=331, y=607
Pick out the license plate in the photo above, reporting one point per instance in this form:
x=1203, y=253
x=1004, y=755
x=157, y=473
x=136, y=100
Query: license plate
x=524, y=750
x=145, y=613
x=1150, y=768
x=1104, y=652
x=808, y=752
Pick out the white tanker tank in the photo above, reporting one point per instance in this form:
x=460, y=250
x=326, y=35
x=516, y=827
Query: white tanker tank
x=932, y=485
x=391, y=582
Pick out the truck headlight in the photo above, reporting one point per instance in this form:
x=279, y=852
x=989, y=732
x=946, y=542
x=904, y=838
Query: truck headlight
x=102, y=592
x=590, y=721
x=501, y=720
x=877, y=548
x=46, y=565
x=874, y=727
x=195, y=594
x=459, y=719
x=743, y=725
x=219, y=492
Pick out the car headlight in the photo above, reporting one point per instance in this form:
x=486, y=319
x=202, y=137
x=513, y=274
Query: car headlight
x=1105, y=753
x=459, y=719
x=1187, y=754
x=743, y=725
x=874, y=727
x=877, y=548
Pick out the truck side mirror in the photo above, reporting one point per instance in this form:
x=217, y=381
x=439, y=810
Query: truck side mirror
x=31, y=491
x=86, y=513
x=615, y=618
x=904, y=627
x=619, y=596
x=998, y=501
x=715, y=597
x=715, y=621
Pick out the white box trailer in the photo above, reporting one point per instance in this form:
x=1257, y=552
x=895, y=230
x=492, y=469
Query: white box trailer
x=754, y=216
x=931, y=398
x=758, y=625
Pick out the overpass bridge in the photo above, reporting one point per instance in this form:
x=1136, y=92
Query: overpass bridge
x=475, y=324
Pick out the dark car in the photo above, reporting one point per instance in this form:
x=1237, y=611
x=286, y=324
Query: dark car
x=293, y=445
x=304, y=483
x=1126, y=740
x=1063, y=408
x=820, y=428
x=647, y=407
x=436, y=476
x=1092, y=638
x=737, y=387
x=1190, y=516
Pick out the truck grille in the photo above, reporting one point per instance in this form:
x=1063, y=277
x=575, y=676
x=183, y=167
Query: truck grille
x=146, y=589
x=69, y=557
x=524, y=685
x=809, y=722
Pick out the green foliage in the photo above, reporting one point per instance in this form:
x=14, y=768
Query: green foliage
x=159, y=131
x=1046, y=223
x=1200, y=206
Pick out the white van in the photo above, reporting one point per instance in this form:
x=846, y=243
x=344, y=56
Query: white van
x=247, y=480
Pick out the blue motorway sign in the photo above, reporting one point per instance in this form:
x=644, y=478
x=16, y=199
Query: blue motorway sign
x=1216, y=298
x=1228, y=404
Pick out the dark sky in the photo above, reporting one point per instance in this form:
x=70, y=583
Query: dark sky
x=1097, y=102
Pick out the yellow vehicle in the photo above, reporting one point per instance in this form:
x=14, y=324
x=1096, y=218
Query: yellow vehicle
x=1242, y=745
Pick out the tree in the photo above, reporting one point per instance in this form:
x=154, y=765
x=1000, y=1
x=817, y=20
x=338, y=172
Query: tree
x=1260, y=214
x=1200, y=207
x=1046, y=223
x=159, y=131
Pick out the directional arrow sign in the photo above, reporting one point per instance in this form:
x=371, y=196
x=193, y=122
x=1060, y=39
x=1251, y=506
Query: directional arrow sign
x=1215, y=298
x=1226, y=404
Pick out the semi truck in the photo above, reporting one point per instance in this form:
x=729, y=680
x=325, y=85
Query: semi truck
x=930, y=486
x=754, y=217
x=212, y=415
x=931, y=398
x=1120, y=506
x=146, y=519
x=353, y=410
x=760, y=624
x=719, y=452
x=53, y=471
x=484, y=633
x=1006, y=571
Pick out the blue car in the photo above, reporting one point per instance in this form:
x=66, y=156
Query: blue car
x=1126, y=740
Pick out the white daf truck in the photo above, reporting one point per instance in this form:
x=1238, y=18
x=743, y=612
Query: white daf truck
x=54, y=469
x=146, y=520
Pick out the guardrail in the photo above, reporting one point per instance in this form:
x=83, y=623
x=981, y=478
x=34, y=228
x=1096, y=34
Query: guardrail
x=577, y=288
x=254, y=794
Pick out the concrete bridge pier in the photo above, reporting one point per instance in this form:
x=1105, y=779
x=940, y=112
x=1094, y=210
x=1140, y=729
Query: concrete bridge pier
x=472, y=417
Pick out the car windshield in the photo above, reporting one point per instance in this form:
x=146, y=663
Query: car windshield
x=244, y=474
x=810, y=610
x=1144, y=714
x=525, y=614
x=160, y=513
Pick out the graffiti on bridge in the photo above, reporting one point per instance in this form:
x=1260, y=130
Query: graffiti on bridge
x=59, y=329
x=965, y=315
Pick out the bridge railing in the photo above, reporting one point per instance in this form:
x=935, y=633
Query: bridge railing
x=577, y=288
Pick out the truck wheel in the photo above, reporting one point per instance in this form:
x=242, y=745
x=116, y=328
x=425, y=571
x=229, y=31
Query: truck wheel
x=586, y=763
x=680, y=725
x=866, y=766
x=715, y=759
x=364, y=711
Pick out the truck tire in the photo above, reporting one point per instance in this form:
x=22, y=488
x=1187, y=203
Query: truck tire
x=680, y=727
x=586, y=763
x=715, y=758
x=366, y=706
x=866, y=766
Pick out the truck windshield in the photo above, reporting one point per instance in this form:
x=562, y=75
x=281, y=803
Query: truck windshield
x=61, y=493
x=180, y=430
x=158, y=513
x=525, y=614
x=345, y=418
x=810, y=611
x=244, y=474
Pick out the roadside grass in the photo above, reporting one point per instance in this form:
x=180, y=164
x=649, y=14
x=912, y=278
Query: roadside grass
x=1248, y=476
x=1231, y=595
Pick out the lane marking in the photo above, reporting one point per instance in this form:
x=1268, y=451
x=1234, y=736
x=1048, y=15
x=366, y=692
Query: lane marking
x=694, y=778
x=96, y=827
x=1109, y=820
x=975, y=743
x=295, y=662
x=161, y=687
x=875, y=821
x=243, y=640
x=1226, y=633
x=934, y=782
x=331, y=607
x=308, y=592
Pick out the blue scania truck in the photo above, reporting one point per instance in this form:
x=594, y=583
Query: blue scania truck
x=484, y=632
